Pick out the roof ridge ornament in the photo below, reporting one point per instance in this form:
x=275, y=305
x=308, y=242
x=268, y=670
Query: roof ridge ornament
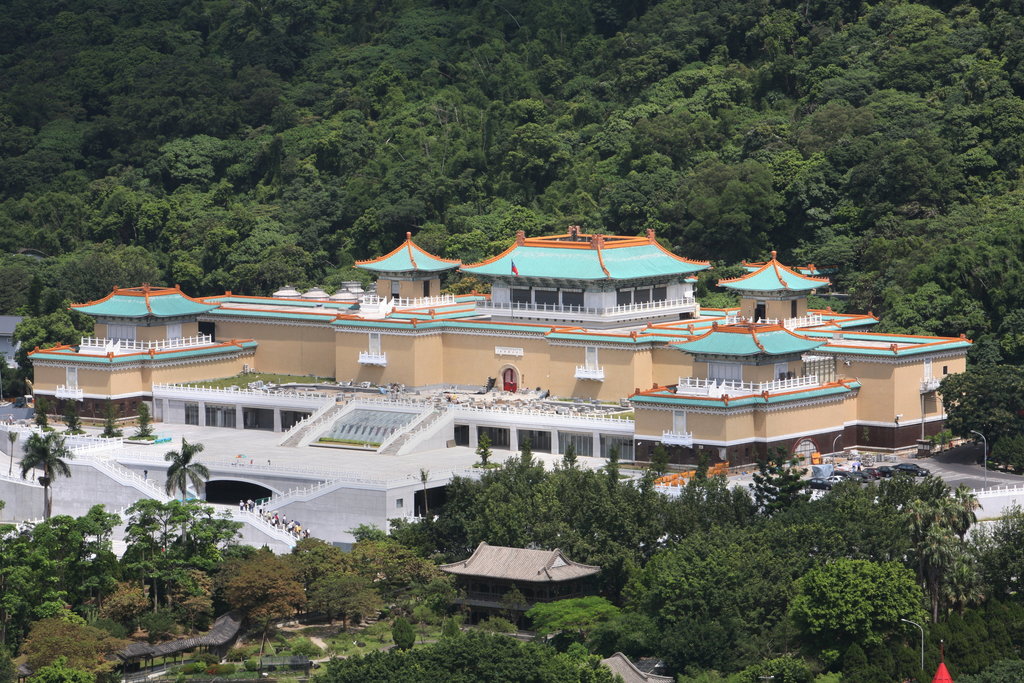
x=520, y=238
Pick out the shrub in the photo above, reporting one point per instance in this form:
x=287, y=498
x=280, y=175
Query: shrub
x=158, y=625
x=207, y=658
x=198, y=668
x=240, y=653
x=304, y=647
x=225, y=669
x=497, y=625
x=252, y=664
x=110, y=626
x=403, y=634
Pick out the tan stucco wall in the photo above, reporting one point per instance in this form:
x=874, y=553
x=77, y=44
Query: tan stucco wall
x=668, y=365
x=877, y=400
x=286, y=349
x=777, y=309
x=408, y=289
x=159, y=332
x=471, y=359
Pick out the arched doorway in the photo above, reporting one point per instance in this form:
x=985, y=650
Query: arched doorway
x=804, y=448
x=230, y=491
x=510, y=379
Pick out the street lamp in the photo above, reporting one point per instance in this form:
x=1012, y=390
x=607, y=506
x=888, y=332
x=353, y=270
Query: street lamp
x=984, y=442
x=922, y=639
x=834, y=443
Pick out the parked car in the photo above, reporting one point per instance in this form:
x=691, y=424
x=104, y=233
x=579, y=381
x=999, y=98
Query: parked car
x=872, y=473
x=913, y=469
x=819, y=484
x=885, y=471
x=858, y=476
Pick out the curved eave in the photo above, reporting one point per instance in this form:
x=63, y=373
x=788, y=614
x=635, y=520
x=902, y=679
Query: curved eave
x=408, y=258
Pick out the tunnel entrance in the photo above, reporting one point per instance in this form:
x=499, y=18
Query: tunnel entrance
x=229, y=492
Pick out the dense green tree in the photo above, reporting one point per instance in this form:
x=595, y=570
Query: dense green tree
x=403, y=634
x=578, y=616
x=778, y=483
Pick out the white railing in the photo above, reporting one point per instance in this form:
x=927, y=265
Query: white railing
x=642, y=307
x=443, y=300
x=929, y=384
x=312, y=419
x=88, y=444
x=670, y=438
x=709, y=387
x=369, y=358
x=128, y=478
x=75, y=393
x=585, y=372
x=186, y=389
x=805, y=321
x=552, y=417
x=402, y=432
x=788, y=323
x=512, y=351
x=257, y=521
x=994, y=491
x=102, y=344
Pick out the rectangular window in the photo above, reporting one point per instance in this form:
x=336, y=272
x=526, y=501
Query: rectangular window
x=572, y=297
x=945, y=369
x=725, y=372
x=545, y=297
x=679, y=421
x=521, y=295
x=174, y=331
x=659, y=294
x=782, y=370
x=928, y=368
x=426, y=288
x=623, y=445
x=583, y=444
x=192, y=413
x=121, y=332
x=394, y=288
x=71, y=378
x=590, y=358
x=641, y=295
x=792, y=309
x=220, y=416
x=399, y=503
x=624, y=297
x=374, y=345
x=823, y=367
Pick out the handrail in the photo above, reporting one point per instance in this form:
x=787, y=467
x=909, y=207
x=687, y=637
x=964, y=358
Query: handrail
x=999, y=490
x=701, y=385
x=540, y=413
x=608, y=310
x=442, y=300
x=238, y=391
x=397, y=435
x=137, y=345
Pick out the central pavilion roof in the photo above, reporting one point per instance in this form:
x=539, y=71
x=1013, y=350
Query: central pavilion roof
x=749, y=339
x=579, y=256
x=408, y=257
x=774, y=277
x=144, y=302
x=520, y=564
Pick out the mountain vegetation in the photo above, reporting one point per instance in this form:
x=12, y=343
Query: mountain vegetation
x=241, y=146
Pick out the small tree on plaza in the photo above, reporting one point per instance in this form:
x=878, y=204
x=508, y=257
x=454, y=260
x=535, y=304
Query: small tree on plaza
x=110, y=429
x=145, y=422
x=41, y=407
x=569, y=457
x=71, y=420
x=483, y=449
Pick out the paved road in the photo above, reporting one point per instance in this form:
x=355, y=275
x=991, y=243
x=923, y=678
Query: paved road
x=963, y=466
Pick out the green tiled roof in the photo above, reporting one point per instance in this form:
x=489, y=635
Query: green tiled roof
x=67, y=355
x=745, y=340
x=669, y=397
x=143, y=302
x=872, y=344
x=774, y=277
x=575, y=263
x=407, y=258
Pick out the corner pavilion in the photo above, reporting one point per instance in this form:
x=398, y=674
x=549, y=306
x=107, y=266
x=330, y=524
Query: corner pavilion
x=594, y=318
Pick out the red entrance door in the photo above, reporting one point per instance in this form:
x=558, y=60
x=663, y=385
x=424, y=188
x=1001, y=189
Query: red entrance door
x=509, y=380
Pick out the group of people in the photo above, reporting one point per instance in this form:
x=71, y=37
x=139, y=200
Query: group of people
x=281, y=521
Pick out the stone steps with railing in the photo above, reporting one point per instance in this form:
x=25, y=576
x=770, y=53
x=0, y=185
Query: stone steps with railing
x=393, y=444
x=295, y=434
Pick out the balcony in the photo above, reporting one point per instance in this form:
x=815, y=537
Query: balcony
x=677, y=438
x=73, y=393
x=369, y=358
x=930, y=384
x=124, y=345
x=578, y=314
x=698, y=386
x=594, y=373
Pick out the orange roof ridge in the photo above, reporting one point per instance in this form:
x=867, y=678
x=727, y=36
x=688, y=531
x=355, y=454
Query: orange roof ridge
x=410, y=245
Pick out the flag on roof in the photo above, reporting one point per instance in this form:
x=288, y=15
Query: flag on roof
x=515, y=271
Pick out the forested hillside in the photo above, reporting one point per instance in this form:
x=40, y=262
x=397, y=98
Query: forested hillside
x=244, y=145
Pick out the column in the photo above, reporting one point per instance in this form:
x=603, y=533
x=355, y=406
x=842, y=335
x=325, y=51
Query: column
x=202, y=413
x=554, y=442
x=513, y=439
x=597, y=444
x=239, y=417
x=474, y=436
x=277, y=419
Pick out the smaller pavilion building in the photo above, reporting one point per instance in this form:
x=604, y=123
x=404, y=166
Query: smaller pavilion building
x=492, y=572
x=408, y=272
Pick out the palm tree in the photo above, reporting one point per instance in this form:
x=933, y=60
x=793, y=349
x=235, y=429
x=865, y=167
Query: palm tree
x=964, y=503
x=424, y=476
x=12, y=436
x=183, y=470
x=48, y=454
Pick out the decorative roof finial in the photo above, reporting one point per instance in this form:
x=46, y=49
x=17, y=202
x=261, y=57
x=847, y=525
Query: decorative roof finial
x=408, y=236
x=650, y=235
x=520, y=238
x=774, y=253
